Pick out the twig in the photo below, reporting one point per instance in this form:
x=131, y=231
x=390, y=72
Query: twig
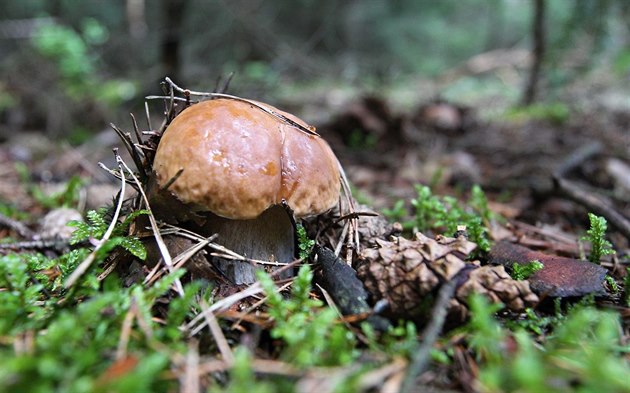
x=172, y=180
x=344, y=234
x=223, y=252
x=593, y=203
x=375, y=377
x=189, y=382
x=226, y=85
x=136, y=130
x=179, y=260
x=577, y=157
x=158, y=97
x=148, y=115
x=430, y=336
x=197, y=324
x=125, y=331
x=217, y=333
x=349, y=216
x=116, y=174
x=41, y=244
x=134, y=152
x=17, y=226
x=166, y=256
x=87, y=262
x=348, y=194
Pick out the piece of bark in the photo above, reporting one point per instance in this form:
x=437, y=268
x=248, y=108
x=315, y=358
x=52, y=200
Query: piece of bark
x=560, y=276
x=342, y=284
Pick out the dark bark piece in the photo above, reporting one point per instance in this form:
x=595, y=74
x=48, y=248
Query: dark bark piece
x=560, y=277
x=345, y=288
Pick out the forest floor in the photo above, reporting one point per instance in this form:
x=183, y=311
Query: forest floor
x=542, y=170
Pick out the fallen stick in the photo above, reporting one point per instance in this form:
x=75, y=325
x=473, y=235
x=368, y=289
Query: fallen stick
x=593, y=203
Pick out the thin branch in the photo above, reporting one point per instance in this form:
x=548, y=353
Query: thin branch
x=125, y=331
x=134, y=152
x=87, y=262
x=135, y=128
x=189, y=381
x=41, y=244
x=166, y=256
x=148, y=115
x=430, y=335
x=172, y=180
x=594, y=204
x=197, y=324
x=180, y=260
x=217, y=333
x=17, y=226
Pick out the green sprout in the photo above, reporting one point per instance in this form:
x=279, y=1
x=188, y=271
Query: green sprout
x=446, y=214
x=524, y=271
x=626, y=286
x=305, y=244
x=614, y=287
x=96, y=227
x=310, y=331
x=596, y=237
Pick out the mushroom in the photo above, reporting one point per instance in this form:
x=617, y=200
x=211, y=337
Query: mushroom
x=229, y=165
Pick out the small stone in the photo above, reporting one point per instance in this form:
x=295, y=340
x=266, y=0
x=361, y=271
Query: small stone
x=55, y=223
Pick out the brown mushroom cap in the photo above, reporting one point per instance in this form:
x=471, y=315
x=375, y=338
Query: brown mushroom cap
x=239, y=160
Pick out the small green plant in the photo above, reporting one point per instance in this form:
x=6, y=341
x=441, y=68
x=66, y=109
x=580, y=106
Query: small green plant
x=68, y=197
x=538, y=322
x=11, y=211
x=614, y=288
x=311, y=332
x=524, y=271
x=305, y=244
x=556, y=113
x=396, y=341
x=626, y=286
x=73, y=54
x=95, y=228
x=398, y=213
x=596, y=236
x=582, y=353
x=360, y=140
x=479, y=203
x=73, y=339
x=446, y=214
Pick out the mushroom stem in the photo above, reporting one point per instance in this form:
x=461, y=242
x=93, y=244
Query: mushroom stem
x=268, y=237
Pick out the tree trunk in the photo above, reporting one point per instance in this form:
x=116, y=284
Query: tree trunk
x=171, y=38
x=538, y=32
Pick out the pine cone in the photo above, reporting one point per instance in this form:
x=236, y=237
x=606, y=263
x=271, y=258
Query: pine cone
x=407, y=273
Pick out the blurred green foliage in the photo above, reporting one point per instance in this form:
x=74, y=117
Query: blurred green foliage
x=74, y=55
x=113, y=52
x=445, y=214
x=556, y=113
x=581, y=354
